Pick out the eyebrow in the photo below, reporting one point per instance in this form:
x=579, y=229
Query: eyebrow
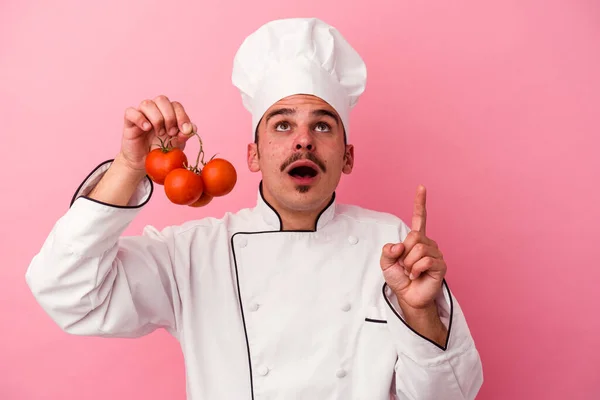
x=323, y=113
x=291, y=111
x=280, y=111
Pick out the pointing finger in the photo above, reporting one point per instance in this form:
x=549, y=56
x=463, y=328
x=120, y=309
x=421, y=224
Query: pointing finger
x=419, y=218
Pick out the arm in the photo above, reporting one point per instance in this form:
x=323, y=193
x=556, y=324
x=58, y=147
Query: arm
x=426, y=369
x=437, y=358
x=426, y=322
x=117, y=185
x=91, y=280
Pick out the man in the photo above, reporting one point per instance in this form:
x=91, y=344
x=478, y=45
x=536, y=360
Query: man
x=299, y=297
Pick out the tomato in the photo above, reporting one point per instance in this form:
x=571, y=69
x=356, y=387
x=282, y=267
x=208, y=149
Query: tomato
x=161, y=161
x=202, y=201
x=183, y=186
x=219, y=177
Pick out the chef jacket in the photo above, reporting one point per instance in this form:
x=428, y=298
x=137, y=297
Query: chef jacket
x=260, y=313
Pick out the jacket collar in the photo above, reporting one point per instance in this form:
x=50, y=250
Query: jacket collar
x=273, y=219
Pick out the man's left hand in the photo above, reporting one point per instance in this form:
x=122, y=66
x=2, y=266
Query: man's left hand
x=415, y=269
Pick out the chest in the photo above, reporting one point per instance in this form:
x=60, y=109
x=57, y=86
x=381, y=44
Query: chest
x=285, y=308
x=286, y=282
x=304, y=271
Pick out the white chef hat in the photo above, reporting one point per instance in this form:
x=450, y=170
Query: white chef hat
x=298, y=56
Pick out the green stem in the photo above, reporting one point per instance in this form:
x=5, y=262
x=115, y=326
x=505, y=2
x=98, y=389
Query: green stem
x=200, y=152
x=162, y=143
x=168, y=144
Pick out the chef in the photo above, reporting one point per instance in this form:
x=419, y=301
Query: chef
x=298, y=297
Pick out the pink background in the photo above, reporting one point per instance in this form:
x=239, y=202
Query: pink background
x=494, y=106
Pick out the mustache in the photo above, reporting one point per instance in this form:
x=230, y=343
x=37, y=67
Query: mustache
x=303, y=156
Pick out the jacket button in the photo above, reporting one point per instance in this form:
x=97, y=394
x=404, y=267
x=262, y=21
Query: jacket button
x=254, y=307
x=340, y=373
x=263, y=370
x=346, y=307
x=352, y=239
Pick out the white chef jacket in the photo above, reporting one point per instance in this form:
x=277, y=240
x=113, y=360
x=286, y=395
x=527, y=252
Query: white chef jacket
x=259, y=313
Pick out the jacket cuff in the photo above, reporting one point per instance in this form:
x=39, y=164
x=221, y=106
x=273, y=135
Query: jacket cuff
x=417, y=347
x=140, y=197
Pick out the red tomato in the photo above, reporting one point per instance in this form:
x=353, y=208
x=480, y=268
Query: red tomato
x=203, y=200
x=183, y=186
x=219, y=177
x=159, y=162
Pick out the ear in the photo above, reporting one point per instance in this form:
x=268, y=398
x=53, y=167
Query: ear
x=253, y=164
x=348, y=159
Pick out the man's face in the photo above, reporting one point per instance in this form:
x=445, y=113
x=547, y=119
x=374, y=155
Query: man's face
x=301, y=153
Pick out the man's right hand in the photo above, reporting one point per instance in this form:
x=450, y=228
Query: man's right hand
x=153, y=119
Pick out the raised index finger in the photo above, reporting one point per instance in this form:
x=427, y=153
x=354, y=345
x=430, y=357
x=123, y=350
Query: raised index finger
x=419, y=217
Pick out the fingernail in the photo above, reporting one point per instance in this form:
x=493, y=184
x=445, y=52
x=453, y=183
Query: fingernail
x=173, y=131
x=394, y=248
x=146, y=126
x=406, y=272
x=185, y=127
x=411, y=276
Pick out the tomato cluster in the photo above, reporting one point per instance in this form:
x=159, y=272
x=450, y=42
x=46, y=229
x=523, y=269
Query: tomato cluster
x=193, y=186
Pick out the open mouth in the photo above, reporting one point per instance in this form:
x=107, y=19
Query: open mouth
x=303, y=172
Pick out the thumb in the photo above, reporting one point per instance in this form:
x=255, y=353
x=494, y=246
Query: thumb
x=390, y=254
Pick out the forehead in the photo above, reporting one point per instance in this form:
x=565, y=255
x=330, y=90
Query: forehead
x=302, y=102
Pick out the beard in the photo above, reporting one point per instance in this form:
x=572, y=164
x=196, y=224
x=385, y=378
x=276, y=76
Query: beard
x=302, y=188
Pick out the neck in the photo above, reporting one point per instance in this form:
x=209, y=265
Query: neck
x=295, y=220
x=298, y=220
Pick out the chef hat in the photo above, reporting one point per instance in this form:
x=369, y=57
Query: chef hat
x=298, y=56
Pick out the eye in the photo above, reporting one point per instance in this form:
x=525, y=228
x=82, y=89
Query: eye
x=282, y=126
x=323, y=127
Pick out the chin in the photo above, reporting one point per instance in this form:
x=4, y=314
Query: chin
x=306, y=198
x=303, y=189
x=299, y=196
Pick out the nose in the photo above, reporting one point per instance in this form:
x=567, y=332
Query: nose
x=304, y=140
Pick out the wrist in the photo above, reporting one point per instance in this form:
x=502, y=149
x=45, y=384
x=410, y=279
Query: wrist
x=425, y=320
x=421, y=313
x=118, y=183
x=127, y=170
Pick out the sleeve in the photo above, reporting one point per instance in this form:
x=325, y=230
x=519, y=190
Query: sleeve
x=424, y=370
x=93, y=281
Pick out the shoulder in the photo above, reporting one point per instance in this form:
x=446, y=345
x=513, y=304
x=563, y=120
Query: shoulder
x=207, y=226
